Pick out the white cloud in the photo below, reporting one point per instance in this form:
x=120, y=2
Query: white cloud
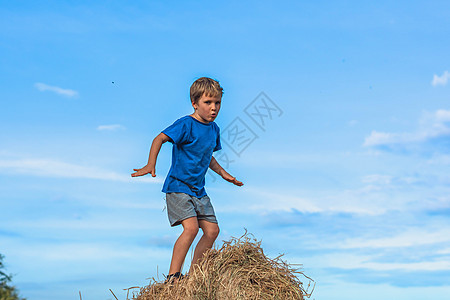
x=111, y=127
x=54, y=168
x=433, y=240
x=352, y=261
x=352, y=122
x=99, y=223
x=60, y=91
x=432, y=125
x=71, y=260
x=439, y=160
x=440, y=80
x=269, y=201
x=374, y=195
x=369, y=200
x=380, y=138
x=412, y=237
x=377, y=179
x=442, y=115
x=444, y=251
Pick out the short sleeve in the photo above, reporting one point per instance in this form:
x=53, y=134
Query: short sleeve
x=178, y=131
x=218, y=144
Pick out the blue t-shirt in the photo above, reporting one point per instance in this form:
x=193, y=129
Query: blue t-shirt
x=193, y=145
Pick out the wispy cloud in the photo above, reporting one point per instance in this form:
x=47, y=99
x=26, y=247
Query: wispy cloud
x=365, y=262
x=382, y=138
x=432, y=126
x=352, y=122
x=377, y=179
x=55, y=89
x=440, y=80
x=112, y=127
x=404, y=239
x=59, y=169
x=362, y=201
x=265, y=201
x=440, y=160
x=374, y=195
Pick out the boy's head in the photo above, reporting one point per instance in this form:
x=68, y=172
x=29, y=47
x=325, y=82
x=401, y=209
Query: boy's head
x=205, y=86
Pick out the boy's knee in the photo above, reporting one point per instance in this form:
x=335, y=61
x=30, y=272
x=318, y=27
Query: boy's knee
x=191, y=231
x=212, y=232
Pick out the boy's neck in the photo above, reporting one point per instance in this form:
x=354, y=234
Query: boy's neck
x=198, y=118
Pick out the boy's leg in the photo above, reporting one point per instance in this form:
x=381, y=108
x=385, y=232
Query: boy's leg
x=210, y=233
x=181, y=247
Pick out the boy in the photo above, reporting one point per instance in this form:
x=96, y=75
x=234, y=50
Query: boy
x=194, y=137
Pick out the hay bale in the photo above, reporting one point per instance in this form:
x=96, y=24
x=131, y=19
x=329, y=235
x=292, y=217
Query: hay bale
x=238, y=270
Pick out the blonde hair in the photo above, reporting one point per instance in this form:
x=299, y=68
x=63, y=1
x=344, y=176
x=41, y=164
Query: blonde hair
x=205, y=86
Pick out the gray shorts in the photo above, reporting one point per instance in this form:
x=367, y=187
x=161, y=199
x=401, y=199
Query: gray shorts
x=181, y=206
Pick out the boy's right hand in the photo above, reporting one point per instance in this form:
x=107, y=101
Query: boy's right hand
x=144, y=171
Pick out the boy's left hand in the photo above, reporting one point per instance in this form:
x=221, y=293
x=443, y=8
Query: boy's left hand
x=232, y=179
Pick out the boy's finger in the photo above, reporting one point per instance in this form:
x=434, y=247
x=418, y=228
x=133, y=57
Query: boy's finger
x=138, y=172
x=239, y=183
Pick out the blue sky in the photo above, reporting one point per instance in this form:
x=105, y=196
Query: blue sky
x=348, y=175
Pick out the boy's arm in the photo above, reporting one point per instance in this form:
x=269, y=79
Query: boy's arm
x=154, y=150
x=214, y=165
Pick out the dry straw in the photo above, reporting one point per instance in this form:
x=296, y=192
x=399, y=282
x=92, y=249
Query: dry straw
x=238, y=270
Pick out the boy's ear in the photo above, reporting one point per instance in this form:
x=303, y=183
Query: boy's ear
x=194, y=105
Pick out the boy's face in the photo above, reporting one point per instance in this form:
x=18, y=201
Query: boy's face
x=207, y=108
